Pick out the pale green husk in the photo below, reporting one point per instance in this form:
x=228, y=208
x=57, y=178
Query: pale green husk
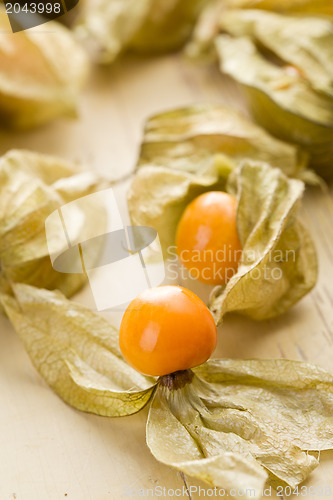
x=114, y=26
x=32, y=186
x=77, y=352
x=41, y=74
x=294, y=102
x=239, y=422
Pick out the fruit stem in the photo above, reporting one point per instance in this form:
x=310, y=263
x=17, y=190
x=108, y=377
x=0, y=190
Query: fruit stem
x=176, y=380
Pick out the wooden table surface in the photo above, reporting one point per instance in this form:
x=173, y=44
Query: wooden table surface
x=50, y=451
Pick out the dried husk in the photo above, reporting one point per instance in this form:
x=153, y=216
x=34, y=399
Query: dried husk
x=109, y=25
x=236, y=423
x=200, y=46
x=321, y=7
x=32, y=186
x=113, y=26
x=84, y=364
x=41, y=73
x=280, y=97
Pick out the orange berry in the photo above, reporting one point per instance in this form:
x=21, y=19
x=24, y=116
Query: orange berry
x=207, y=238
x=167, y=329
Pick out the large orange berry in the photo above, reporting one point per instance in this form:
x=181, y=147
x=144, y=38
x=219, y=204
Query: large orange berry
x=167, y=329
x=207, y=238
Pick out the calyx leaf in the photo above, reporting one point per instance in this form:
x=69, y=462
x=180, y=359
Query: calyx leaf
x=234, y=423
x=76, y=351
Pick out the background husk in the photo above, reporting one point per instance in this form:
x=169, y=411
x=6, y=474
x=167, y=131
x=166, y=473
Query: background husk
x=284, y=67
x=41, y=73
x=322, y=7
x=149, y=26
x=302, y=41
x=32, y=186
x=209, y=22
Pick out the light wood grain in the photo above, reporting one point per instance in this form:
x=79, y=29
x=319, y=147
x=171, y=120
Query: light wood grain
x=50, y=451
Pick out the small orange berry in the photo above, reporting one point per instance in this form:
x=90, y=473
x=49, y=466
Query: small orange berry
x=167, y=329
x=207, y=238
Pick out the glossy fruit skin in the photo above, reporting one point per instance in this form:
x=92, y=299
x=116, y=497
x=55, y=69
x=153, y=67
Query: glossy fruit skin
x=207, y=239
x=167, y=329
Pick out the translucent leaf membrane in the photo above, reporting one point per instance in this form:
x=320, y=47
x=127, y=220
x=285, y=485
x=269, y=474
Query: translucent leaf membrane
x=234, y=423
x=32, y=186
x=41, y=74
x=76, y=351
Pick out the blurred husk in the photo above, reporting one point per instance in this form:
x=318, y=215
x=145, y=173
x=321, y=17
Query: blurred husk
x=32, y=186
x=283, y=65
x=112, y=27
x=41, y=74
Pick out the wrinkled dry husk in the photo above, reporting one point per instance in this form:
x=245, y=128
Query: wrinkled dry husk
x=234, y=423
